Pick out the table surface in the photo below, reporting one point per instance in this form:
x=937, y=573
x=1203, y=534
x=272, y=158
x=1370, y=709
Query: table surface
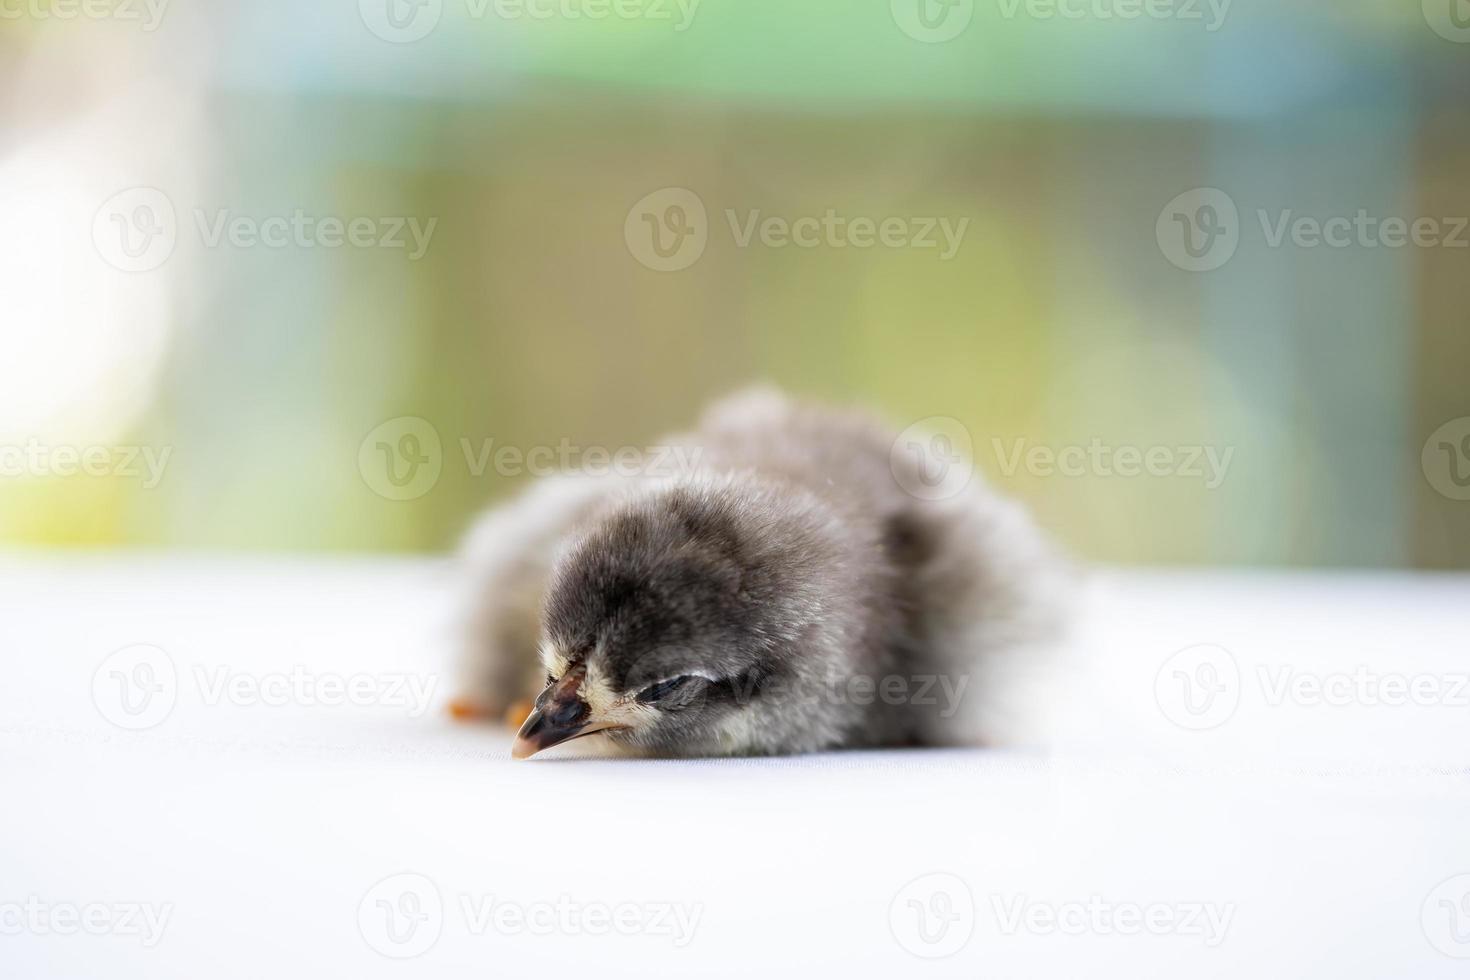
x=293, y=800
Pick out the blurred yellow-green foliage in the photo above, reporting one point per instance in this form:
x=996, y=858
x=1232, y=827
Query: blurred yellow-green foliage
x=1059, y=321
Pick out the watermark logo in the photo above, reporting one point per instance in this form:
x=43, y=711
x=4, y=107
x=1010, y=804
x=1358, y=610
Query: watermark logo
x=932, y=21
x=136, y=687
x=1446, y=459
x=1199, y=230
x=933, y=916
x=1198, y=688
x=1445, y=917
x=667, y=231
x=933, y=458
x=1450, y=19
x=401, y=916
x=402, y=458
x=401, y=21
x=136, y=230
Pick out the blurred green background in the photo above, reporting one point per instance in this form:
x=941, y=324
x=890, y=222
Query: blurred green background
x=1059, y=134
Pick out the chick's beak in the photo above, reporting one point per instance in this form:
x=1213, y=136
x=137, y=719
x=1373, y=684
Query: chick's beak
x=560, y=715
x=550, y=723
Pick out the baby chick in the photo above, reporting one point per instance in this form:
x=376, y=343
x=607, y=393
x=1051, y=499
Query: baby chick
x=785, y=593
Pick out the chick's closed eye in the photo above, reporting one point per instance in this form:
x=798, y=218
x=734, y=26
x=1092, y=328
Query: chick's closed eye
x=662, y=689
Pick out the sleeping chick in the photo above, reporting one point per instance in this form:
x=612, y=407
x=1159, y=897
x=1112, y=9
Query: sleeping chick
x=784, y=594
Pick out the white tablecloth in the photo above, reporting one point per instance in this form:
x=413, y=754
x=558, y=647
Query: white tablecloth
x=243, y=823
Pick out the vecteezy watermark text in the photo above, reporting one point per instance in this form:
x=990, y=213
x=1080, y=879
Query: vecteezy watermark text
x=302, y=230
x=137, y=688
x=1098, y=916
x=406, y=21
x=569, y=457
x=35, y=458
x=834, y=230
x=940, y=694
x=1200, y=687
x=1361, y=686
x=565, y=916
x=309, y=688
x=1200, y=230
x=1210, y=13
x=404, y=914
x=937, y=21
x=137, y=230
x=145, y=921
x=933, y=459
x=669, y=229
x=944, y=692
x=148, y=13
x=935, y=915
x=403, y=458
x=1206, y=463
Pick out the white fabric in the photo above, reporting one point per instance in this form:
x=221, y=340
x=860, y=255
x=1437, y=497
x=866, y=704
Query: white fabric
x=1315, y=833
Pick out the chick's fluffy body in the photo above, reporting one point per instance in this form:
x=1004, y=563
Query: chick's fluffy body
x=820, y=603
